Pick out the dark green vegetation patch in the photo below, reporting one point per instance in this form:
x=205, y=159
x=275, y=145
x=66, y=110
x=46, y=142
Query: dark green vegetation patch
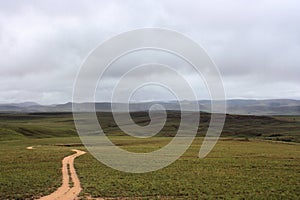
x=40, y=125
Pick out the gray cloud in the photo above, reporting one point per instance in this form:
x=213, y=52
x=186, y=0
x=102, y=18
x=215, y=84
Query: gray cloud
x=255, y=44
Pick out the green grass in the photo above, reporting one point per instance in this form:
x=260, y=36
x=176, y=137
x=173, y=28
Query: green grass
x=42, y=125
x=237, y=169
x=39, y=125
x=245, y=164
x=31, y=173
x=234, y=169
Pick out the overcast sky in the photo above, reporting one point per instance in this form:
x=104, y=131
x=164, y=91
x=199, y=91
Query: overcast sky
x=255, y=44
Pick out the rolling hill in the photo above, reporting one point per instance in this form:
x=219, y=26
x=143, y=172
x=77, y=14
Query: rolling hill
x=234, y=106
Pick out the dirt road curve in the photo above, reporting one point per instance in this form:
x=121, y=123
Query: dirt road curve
x=70, y=187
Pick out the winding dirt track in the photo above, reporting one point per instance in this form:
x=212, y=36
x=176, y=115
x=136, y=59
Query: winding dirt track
x=65, y=192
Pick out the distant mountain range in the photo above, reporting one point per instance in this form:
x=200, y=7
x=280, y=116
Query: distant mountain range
x=234, y=106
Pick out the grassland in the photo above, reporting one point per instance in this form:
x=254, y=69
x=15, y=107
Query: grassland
x=41, y=125
x=252, y=169
x=234, y=169
x=27, y=173
x=245, y=164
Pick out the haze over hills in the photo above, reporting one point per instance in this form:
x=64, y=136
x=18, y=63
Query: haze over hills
x=234, y=106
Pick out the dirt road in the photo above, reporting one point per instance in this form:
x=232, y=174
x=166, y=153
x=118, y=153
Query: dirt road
x=70, y=187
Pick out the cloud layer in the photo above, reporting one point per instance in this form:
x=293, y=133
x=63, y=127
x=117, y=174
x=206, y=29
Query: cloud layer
x=255, y=44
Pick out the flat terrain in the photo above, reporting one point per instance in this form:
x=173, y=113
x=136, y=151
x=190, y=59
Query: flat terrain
x=25, y=173
x=234, y=169
x=240, y=166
